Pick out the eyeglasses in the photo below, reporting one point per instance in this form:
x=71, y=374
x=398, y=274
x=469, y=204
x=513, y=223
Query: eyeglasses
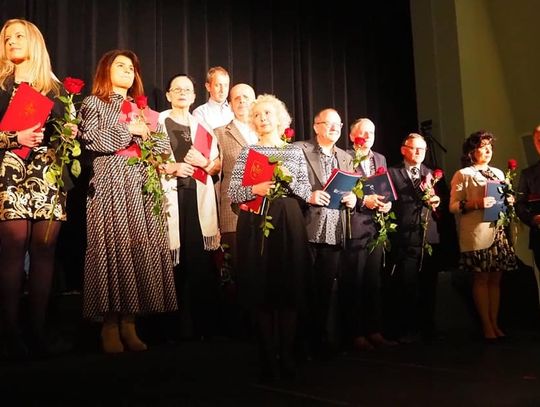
x=331, y=124
x=181, y=90
x=415, y=148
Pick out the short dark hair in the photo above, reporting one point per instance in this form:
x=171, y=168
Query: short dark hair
x=473, y=142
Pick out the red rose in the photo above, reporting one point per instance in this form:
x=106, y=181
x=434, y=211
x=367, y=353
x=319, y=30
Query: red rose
x=380, y=170
x=359, y=141
x=141, y=102
x=438, y=173
x=73, y=85
x=512, y=164
x=289, y=133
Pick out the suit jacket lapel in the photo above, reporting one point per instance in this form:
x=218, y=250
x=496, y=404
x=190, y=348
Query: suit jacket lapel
x=312, y=157
x=406, y=179
x=236, y=135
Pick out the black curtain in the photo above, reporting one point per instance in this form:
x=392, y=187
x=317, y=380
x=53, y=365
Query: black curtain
x=310, y=56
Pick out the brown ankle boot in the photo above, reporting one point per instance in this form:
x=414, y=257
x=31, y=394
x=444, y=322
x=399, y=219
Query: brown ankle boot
x=110, y=335
x=129, y=334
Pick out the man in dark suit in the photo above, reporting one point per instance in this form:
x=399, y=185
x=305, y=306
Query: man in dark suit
x=360, y=283
x=413, y=274
x=529, y=190
x=326, y=227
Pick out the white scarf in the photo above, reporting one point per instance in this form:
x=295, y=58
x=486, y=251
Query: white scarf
x=206, y=198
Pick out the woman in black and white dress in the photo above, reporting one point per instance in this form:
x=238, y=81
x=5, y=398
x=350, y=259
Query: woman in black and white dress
x=128, y=268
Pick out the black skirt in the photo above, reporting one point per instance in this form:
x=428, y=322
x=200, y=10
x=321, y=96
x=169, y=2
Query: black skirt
x=276, y=278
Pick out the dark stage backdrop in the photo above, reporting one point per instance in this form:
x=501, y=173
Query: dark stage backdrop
x=309, y=56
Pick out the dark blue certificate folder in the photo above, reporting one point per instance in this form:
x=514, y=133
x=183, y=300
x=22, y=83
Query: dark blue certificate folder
x=380, y=184
x=339, y=183
x=494, y=189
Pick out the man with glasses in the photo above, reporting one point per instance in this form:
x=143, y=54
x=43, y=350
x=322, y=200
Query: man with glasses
x=326, y=227
x=413, y=273
x=216, y=111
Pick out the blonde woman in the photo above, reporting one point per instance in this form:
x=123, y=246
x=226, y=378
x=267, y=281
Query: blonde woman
x=26, y=198
x=271, y=282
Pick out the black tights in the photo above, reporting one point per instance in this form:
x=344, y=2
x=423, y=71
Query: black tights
x=16, y=238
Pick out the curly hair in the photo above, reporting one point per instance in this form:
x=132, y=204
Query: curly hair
x=471, y=143
x=284, y=118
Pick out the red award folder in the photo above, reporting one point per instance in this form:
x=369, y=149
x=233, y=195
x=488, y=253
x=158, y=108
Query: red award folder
x=27, y=108
x=258, y=169
x=202, y=143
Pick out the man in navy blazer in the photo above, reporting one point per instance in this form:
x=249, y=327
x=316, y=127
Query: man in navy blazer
x=529, y=190
x=360, y=284
x=413, y=274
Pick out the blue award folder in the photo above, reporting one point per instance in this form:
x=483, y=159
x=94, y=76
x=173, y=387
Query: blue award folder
x=380, y=184
x=339, y=183
x=494, y=189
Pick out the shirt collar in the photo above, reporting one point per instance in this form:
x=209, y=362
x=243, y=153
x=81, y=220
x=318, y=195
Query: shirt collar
x=213, y=103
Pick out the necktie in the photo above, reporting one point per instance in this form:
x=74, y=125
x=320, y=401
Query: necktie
x=415, y=172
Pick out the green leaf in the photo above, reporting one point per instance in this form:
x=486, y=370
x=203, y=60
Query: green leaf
x=76, y=168
x=76, y=149
x=50, y=177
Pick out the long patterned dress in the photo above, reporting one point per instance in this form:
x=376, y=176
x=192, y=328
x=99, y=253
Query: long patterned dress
x=128, y=267
x=277, y=278
x=24, y=193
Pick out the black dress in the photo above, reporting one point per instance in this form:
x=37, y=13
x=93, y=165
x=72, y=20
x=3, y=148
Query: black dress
x=277, y=277
x=24, y=192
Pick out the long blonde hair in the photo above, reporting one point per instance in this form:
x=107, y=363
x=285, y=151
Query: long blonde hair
x=41, y=76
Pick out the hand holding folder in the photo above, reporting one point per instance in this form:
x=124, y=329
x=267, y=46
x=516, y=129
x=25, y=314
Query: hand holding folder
x=258, y=169
x=28, y=109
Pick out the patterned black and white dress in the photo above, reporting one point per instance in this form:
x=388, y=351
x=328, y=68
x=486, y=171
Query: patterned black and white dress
x=128, y=267
x=24, y=192
x=277, y=277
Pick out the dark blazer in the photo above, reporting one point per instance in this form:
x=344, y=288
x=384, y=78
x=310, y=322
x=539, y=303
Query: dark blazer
x=410, y=210
x=312, y=154
x=529, y=183
x=362, y=226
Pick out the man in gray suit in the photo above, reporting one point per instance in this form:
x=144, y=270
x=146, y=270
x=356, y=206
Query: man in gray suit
x=326, y=227
x=231, y=138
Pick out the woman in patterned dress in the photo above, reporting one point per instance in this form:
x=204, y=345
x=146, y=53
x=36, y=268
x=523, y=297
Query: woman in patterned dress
x=486, y=250
x=272, y=284
x=26, y=198
x=128, y=267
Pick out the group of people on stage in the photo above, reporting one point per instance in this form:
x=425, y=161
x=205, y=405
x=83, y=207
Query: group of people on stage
x=300, y=265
